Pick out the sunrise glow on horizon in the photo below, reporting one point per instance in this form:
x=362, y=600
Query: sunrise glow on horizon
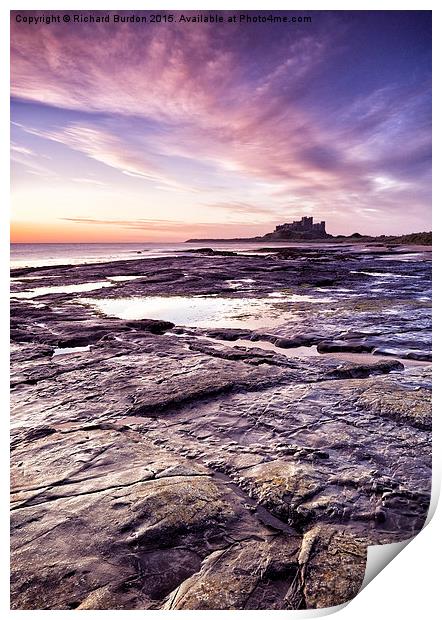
x=167, y=131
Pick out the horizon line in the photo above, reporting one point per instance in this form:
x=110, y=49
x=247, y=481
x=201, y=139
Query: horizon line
x=220, y=239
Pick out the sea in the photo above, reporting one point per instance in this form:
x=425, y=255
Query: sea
x=47, y=254
x=42, y=254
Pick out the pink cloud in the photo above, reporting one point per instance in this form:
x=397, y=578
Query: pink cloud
x=215, y=112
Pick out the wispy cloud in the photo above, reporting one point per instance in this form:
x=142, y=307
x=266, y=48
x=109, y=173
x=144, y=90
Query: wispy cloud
x=169, y=227
x=113, y=151
x=22, y=150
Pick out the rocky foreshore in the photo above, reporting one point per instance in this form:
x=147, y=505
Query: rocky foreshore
x=244, y=462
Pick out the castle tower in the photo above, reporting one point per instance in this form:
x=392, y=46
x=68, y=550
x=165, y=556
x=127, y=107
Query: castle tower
x=307, y=223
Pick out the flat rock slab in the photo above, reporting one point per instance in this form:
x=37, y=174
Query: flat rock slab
x=156, y=466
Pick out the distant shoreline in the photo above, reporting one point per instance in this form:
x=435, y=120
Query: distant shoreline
x=420, y=238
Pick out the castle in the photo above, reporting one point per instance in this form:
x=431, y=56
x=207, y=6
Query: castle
x=303, y=229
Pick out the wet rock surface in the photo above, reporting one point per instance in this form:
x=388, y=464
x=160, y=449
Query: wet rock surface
x=160, y=464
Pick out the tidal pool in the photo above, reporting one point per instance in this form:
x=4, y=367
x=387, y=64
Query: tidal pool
x=240, y=282
x=268, y=346
x=385, y=274
x=123, y=278
x=204, y=311
x=70, y=350
x=70, y=288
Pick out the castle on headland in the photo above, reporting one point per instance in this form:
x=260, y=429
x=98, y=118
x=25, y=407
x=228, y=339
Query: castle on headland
x=296, y=231
x=302, y=229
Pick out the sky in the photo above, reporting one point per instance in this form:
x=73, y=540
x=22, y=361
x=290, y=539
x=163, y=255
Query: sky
x=164, y=131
